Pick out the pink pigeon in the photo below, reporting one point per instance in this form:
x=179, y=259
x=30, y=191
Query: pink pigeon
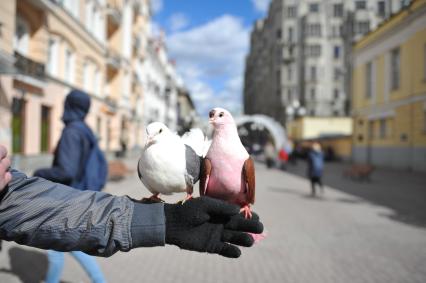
x=227, y=170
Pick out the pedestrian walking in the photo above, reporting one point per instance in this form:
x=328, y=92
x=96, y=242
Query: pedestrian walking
x=270, y=154
x=283, y=158
x=79, y=163
x=315, y=167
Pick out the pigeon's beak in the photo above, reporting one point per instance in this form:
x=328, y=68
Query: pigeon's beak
x=149, y=140
x=211, y=116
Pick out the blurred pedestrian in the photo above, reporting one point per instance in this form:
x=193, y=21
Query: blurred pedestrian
x=283, y=158
x=77, y=163
x=315, y=167
x=270, y=155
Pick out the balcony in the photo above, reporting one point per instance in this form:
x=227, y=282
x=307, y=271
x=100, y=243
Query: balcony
x=113, y=17
x=110, y=106
x=29, y=67
x=113, y=59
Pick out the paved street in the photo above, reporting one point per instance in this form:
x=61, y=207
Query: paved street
x=356, y=232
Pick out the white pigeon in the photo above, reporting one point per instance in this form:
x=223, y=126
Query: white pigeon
x=168, y=165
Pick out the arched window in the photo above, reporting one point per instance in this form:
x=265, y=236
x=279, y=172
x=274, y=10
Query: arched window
x=22, y=35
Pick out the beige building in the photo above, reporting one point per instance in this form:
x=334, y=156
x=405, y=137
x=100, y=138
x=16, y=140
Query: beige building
x=48, y=48
x=389, y=92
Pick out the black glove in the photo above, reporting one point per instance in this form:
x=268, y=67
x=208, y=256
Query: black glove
x=209, y=225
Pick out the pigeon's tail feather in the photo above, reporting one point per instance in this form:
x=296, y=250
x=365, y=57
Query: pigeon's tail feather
x=196, y=140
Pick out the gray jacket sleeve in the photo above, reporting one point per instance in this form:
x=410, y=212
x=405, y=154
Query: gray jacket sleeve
x=47, y=215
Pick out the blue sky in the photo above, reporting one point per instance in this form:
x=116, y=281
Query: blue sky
x=209, y=41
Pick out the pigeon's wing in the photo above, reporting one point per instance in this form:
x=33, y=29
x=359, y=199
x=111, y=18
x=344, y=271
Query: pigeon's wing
x=195, y=139
x=249, y=178
x=206, y=168
x=193, y=166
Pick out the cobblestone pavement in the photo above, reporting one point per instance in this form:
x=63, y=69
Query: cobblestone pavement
x=355, y=232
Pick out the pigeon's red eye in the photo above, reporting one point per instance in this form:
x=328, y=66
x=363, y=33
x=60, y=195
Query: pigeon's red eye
x=221, y=114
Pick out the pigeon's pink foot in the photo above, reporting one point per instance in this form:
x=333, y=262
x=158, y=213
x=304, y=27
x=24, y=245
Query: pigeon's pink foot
x=152, y=199
x=258, y=237
x=188, y=197
x=246, y=210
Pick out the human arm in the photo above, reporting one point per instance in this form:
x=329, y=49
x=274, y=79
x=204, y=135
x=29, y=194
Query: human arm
x=43, y=214
x=47, y=215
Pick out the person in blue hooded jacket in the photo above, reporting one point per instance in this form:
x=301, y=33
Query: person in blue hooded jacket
x=70, y=158
x=315, y=166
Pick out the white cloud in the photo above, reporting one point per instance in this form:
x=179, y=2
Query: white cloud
x=261, y=5
x=157, y=6
x=210, y=59
x=178, y=21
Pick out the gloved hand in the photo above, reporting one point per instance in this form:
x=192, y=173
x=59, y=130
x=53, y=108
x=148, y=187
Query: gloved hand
x=209, y=225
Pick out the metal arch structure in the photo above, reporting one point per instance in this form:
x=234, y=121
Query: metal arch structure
x=275, y=129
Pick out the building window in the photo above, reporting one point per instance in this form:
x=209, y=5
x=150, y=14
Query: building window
x=424, y=121
x=69, y=66
x=71, y=5
x=381, y=8
x=45, y=129
x=279, y=33
x=86, y=76
x=338, y=10
x=21, y=39
x=98, y=127
x=313, y=50
x=371, y=129
x=127, y=30
x=336, y=93
x=89, y=14
x=395, y=68
x=336, y=52
x=313, y=73
x=360, y=5
x=290, y=34
x=289, y=73
x=313, y=93
x=314, y=7
x=336, y=74
x=291, y=11
x=52, y=57
x=313, y=30
x=362, y=27
x=382, y=128
x=424, y=62
x=290, y=96
x=127, y=85
x=97, y=82
x=369, y=80
x=336, y=30
x=18, y=124
x=278, y=79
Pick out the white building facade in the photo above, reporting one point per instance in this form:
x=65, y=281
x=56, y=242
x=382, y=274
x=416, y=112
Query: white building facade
x=299, y=60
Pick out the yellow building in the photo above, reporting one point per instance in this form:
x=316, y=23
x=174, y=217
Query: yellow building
x=334, y=133
x=48, y=47
x=389, y=92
